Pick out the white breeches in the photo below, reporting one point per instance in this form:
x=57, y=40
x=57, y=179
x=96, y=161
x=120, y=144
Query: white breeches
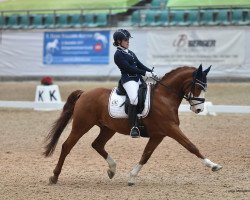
x=132, y=88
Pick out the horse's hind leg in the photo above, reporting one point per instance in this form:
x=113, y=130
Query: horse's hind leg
x=98, y=145
x=66, y=148
x=185, y=142
x=74, y=136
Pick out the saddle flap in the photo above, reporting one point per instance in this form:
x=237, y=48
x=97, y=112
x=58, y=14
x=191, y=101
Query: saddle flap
x=116, y=104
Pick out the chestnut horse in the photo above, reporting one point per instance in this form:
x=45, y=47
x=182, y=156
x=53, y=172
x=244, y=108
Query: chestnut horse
x=91, y=108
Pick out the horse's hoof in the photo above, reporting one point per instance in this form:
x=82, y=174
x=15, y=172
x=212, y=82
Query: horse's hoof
x=111, y=174
x=131, y=183
x=216, y=168
x=53, y=180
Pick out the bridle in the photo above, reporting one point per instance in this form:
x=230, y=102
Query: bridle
x=189, y=97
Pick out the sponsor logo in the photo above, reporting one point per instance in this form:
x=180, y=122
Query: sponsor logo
x=183, y=41
x=98, y=47
x=114, y=102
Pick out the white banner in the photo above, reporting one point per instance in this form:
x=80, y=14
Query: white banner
x=225, y=48
x=192, y=47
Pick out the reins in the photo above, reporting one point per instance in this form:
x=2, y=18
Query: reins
x=168, y=87
x=182, y=94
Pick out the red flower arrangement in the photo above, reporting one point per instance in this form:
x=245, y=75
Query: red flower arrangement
x=46, y=80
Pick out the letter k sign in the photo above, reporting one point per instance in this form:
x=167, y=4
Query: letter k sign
x=48, y=94
x=47, y=97
x=51, y=95
x=40, y=95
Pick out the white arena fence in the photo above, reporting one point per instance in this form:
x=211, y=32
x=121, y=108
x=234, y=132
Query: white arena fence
x=48, y=98
x=209, y=108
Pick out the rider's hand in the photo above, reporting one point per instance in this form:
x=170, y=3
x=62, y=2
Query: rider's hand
x=149, y=74
x=154, y=75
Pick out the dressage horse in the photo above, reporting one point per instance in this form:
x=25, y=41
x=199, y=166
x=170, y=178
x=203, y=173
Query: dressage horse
x=88, y=109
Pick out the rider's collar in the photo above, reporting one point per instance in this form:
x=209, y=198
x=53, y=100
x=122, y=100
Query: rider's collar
x=123, y=49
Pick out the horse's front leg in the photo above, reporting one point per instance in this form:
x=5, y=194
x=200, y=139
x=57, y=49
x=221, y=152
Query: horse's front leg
x=149, y=149
x=177, y=134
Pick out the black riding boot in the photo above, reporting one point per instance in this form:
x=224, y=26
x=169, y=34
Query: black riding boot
x=132, y=116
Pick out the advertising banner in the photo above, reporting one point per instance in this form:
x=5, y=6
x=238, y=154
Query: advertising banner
x=192, y=47
x=81, y=47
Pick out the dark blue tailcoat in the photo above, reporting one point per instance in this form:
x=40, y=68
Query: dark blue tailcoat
x=131, y=68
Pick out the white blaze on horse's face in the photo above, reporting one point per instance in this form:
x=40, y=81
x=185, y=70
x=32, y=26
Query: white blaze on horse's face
x=197, y=106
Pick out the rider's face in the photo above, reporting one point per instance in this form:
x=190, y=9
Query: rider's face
x=125, y=43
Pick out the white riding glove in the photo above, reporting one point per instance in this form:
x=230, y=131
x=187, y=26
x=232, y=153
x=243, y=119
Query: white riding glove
x=155, y=75
x=149, y=74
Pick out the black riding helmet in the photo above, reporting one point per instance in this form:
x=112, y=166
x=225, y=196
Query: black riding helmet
x=121, y=34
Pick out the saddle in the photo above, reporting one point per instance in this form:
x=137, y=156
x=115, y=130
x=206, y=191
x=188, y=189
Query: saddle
x=119, y=102
x=141, y=96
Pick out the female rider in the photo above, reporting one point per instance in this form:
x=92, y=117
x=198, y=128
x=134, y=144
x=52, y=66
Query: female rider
x=132, y=71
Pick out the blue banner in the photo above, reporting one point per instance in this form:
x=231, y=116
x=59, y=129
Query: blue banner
x=78, y=47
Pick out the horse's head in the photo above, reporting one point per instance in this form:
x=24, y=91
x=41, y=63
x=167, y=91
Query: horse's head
x=195, y=92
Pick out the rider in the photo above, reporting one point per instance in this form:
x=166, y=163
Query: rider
x=132, y=71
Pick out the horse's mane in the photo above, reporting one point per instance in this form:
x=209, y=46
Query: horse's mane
x=174, y=71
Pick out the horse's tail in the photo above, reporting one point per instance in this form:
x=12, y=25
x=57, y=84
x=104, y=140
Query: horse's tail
x=60, y=124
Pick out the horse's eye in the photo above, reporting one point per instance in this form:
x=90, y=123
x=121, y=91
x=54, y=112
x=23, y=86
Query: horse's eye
x=200, y=87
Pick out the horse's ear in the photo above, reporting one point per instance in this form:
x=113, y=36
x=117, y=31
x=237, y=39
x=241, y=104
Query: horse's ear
x=207, y=70
x=199, y=71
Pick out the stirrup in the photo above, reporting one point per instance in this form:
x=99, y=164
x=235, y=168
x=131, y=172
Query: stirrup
x=135, y=132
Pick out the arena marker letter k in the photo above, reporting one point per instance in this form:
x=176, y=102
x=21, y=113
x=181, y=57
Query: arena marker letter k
x=51, y=95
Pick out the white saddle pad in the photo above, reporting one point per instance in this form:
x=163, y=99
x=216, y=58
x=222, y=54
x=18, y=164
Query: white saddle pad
x=118, y=111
